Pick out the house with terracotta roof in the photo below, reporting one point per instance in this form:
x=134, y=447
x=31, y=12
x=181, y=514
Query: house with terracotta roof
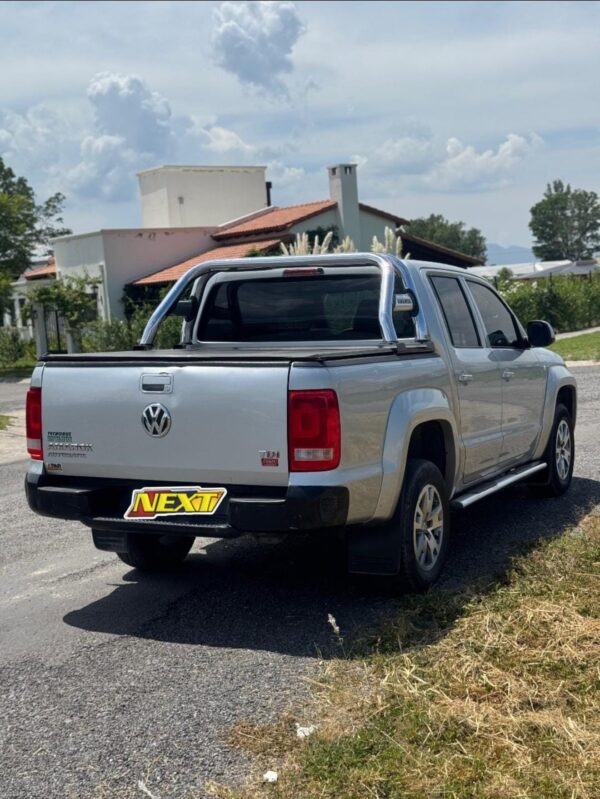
x=266, y=229
x=192, y=214
x=42, y=270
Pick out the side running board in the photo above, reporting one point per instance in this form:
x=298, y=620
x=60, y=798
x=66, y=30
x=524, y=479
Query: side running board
x=497, y=484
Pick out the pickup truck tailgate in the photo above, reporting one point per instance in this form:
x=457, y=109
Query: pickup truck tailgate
x=228, y=423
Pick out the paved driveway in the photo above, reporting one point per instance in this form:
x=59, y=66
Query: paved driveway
x=107, y=677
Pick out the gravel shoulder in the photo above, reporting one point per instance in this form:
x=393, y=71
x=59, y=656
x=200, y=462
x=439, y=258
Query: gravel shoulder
x=107, y=678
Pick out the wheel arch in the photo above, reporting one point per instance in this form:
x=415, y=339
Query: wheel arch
x=421, y=424
x=561, y=387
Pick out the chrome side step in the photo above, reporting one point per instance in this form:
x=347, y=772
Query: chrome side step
x=498, y=483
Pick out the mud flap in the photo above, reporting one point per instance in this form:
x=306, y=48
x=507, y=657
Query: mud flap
x=110, y=541
x=374, y=550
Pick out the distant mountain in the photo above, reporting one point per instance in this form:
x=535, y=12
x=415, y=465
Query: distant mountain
x=513, y=254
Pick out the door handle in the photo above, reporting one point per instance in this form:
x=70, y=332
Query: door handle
x=507, y=374
x=464, y=378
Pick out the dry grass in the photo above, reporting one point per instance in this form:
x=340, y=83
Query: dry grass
x=493, y=695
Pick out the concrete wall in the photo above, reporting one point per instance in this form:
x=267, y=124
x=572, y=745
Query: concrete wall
x=121, y=256
x=178, y=196
x=327, y=219
x=372, y=225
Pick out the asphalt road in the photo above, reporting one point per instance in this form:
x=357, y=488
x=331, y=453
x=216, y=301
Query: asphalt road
x=12, y=395
x=107, y=677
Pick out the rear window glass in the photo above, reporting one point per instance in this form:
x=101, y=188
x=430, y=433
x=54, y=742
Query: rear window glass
x=310, y=308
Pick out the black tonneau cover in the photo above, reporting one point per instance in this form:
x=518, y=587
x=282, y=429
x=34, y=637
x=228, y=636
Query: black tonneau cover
x=231, y=353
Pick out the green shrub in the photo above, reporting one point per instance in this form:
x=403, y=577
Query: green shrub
x=101, y=336
x=568, y=303
x=12, y=346
x=117, y=335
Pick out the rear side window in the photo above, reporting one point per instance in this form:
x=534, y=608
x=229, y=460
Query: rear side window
x=308, y=308
x=499, y=324
x=457, y=313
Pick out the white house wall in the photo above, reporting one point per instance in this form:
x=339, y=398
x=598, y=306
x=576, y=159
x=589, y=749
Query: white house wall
x=120, y=256
x=189, y=196
x=327, y=219
x=131, y=254
x=79, y=255
x=370, y=225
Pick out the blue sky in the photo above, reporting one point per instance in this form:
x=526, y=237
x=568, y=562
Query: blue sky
x=465, y=109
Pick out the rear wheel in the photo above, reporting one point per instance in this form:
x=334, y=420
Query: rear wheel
x=408, y=551
x=148, y=552
x=422, y=522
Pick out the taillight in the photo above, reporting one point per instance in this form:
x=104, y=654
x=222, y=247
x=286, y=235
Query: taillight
x=313, y=430
x=33, y=423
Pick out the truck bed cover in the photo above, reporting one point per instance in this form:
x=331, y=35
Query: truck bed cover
x=233, y=354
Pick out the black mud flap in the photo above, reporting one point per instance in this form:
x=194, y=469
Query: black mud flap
x=109, y=541
x=374, y=550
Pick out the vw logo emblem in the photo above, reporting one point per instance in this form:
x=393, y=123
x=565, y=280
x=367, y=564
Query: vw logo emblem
x=156, y=420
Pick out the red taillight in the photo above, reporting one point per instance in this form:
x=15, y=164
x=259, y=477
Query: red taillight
x=33, y=423
x=313, y=430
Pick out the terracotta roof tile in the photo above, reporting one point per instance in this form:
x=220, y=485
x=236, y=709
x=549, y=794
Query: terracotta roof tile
x=278, y=219
x=41, y=271
x=172, y=273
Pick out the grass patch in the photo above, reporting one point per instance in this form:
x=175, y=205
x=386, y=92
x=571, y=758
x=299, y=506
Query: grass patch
x=4, y=421
x=18, y=371
x=489, y=695
x=579, y=348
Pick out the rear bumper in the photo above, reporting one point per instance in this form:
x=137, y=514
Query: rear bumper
x=100, y=503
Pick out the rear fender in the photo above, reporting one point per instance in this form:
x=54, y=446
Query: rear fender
x=408, y=411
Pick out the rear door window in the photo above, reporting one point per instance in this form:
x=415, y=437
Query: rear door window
x=307, y=308
x=456, y=311
x=500, y=327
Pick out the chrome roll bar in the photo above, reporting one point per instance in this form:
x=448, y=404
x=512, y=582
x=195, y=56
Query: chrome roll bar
x=387, y=264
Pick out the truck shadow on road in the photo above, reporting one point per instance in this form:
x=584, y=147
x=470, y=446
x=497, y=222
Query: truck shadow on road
x=246, y=595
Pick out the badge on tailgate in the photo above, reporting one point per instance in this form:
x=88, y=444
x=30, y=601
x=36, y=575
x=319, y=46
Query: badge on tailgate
x=153, y=501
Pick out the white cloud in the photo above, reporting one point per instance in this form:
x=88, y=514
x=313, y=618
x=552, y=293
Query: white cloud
x=106, y=170
x=29, y=140
x=465, y=169
x=223, y=140
x=450, y=167
x=125, y=106
x=132, y=130
x=409, y=155
x=254, y=41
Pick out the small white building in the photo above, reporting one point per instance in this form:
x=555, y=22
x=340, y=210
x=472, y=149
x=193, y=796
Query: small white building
x=118, y=257
x=185, y=196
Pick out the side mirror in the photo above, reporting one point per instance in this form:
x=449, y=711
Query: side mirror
x=540, y=333
x=186, y=308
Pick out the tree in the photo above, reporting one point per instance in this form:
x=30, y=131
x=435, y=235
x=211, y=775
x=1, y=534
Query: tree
x=439, y=230
x=24, y=224
x=566, y=223
x=74, y=297
x=5, y=293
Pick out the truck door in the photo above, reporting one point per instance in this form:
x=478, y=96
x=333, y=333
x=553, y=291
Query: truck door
x=522, y=374
x=478, y=381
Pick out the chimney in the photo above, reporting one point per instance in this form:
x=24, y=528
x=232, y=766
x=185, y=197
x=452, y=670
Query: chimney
x=343, y=189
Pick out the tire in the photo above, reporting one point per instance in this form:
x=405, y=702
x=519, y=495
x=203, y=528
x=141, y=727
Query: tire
x=559, y=455
x=149, y=552
x=402, y=554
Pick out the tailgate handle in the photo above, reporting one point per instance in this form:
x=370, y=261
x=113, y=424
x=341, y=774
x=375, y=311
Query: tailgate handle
x=157, y=384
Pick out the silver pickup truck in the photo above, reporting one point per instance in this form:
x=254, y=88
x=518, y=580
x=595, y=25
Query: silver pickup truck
x=358, y=392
